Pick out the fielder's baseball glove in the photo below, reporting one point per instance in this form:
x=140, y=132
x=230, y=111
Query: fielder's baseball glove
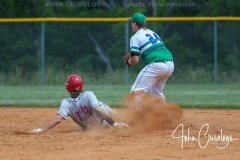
x=126, y=58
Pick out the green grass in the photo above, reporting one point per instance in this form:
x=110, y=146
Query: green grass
x=187, y=96
x=205, y=96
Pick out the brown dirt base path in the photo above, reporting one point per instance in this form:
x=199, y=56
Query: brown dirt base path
x=154, y=142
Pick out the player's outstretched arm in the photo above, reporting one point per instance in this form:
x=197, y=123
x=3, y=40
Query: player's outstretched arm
x=52, y=123
x=109, y=119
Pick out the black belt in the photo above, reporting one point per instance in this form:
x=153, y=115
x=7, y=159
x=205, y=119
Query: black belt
x=162, y=61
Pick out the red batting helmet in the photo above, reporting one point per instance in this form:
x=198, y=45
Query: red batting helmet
x=74, y=82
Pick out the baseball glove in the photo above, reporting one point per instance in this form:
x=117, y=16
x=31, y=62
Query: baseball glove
x=126, y=58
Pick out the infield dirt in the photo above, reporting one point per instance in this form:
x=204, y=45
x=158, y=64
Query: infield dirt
x=145, y=139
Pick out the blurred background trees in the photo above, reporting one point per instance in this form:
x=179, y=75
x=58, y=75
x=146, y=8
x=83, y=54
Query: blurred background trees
x=95, y=50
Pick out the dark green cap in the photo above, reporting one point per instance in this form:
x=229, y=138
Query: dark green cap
x=138, y=17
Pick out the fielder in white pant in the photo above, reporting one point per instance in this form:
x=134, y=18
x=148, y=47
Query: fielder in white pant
x=148, y=46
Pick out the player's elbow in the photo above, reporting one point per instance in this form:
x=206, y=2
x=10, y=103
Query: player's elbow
x=58, y=119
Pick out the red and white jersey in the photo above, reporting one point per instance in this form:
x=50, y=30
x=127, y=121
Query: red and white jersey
x=81, y=109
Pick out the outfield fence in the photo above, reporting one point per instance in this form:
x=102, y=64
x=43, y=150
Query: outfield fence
x=32, y=44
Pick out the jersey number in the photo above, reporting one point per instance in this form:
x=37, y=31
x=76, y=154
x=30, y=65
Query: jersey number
x=86, y=113
x=154, y=39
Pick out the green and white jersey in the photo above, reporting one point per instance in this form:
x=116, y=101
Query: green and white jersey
x=149, y=46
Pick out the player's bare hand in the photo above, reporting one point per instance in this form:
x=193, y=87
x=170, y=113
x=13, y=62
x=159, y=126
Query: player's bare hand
x=32, y=132
x=120, y=125
x=36, y=131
